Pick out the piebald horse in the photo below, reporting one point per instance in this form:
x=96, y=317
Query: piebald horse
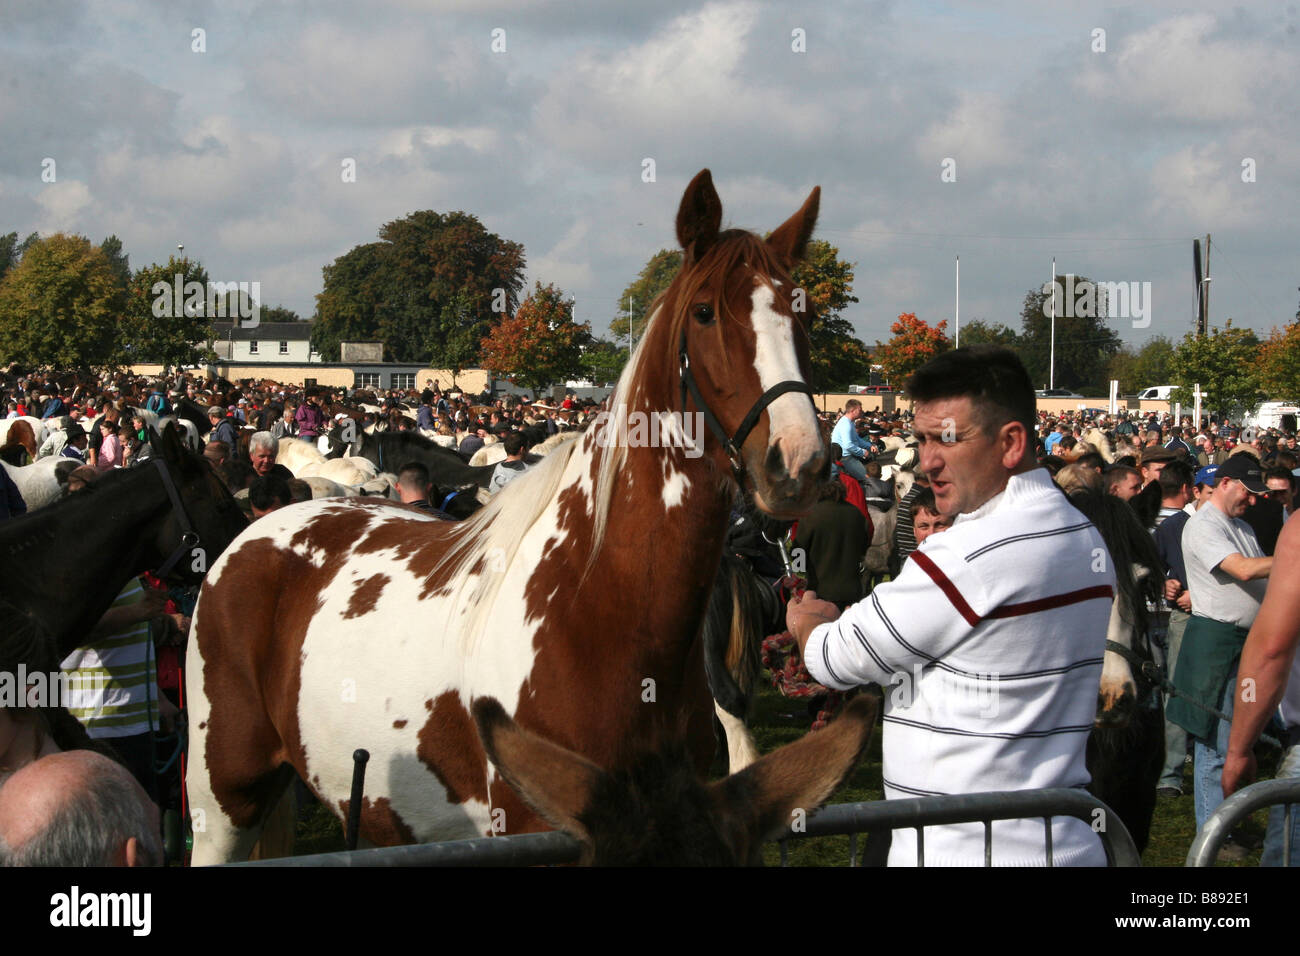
x=574, y=598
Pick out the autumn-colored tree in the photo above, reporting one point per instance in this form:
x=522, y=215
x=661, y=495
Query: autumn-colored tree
x=540, y=344
x=914, y=343
x=1279, y=363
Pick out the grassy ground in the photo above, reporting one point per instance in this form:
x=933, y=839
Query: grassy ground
x=776, y=721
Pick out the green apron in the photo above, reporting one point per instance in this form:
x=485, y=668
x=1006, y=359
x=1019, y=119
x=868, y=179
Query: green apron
x=1205, y=661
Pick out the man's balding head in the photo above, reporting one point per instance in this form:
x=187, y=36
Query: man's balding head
x=77, y=808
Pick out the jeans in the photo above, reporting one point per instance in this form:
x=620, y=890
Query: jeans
x=1175, y=736
x=854, y=468
x=1289, y=767
x=1207, y=758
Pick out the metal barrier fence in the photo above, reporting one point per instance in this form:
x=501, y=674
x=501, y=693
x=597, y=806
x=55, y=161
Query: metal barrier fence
x=851, y=819
x=1266, y=793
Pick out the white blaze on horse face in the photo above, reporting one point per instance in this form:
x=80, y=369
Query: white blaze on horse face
x=792, y=420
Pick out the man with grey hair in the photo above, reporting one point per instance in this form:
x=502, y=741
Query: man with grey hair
x=262, y=449
x=77, y=808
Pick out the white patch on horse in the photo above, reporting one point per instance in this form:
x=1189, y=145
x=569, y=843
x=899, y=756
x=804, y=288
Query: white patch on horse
x=775, y=361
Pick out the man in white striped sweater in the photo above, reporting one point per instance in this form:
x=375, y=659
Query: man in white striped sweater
x=989, y=643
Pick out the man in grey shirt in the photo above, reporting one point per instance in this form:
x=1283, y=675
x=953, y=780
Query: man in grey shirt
x=1226, y=576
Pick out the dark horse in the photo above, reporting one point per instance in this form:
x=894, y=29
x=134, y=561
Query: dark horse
x=391, y=450
x=1125, y=757
x=130, y=521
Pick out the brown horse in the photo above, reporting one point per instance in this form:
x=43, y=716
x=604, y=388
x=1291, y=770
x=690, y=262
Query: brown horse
x=574, y=598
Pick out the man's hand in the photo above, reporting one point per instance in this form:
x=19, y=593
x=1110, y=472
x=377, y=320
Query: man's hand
x=1238, y=771
x=1172, y=587
x=804, y=614
x=1184, y=602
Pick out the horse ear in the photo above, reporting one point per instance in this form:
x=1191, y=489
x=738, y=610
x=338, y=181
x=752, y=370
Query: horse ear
x=555, y=782
x=699, y=217
x=757, y=803
x=790, y=240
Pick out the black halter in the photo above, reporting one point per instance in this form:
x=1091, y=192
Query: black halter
x=189, y=537
x=732, y=444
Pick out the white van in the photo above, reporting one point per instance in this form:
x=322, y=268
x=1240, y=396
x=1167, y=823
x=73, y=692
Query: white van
x=1157, y=393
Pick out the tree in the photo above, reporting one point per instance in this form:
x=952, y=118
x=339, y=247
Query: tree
x=838, y=357
x=914, y=343
x=461, y=331
x=278, y=313
x=980, y=332
x=1279, y=363
x=540, y=344
x=161, y=329
x=1138, y=370
x=400, y=290
x=119, y=260
x=634, y=304
x=1223, y=363
x=60, y=305
x=1084, y=342
x=603, y=361
x=8, y=253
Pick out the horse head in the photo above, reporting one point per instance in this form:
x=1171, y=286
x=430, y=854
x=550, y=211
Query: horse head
x=731, y=333
x=655, y=810
x=204, y=517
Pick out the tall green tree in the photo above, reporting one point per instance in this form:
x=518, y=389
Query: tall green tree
x=400, y=290
x=60, y=305
x=603, y=361
x=1143, y=368
x=162, y=327
x=119, y=260
x=8, y=253
x=1224, y=363
x=540, y=344
x=1279, y=363
x=1084, y=341
x=634, y=304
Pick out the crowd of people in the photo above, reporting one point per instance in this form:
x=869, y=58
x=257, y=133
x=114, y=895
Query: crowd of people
x=904, y=556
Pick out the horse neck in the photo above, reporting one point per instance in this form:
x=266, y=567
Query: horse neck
x=89, y=557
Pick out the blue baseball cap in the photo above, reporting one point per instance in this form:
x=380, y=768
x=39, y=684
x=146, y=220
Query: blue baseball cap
x=1205, y=476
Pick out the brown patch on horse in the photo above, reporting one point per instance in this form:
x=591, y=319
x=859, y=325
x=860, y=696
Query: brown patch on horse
x=449, y=747
x=380, y=823
x=366, y=596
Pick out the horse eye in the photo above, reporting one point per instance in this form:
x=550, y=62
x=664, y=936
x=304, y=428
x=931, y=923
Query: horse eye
x=703, y=313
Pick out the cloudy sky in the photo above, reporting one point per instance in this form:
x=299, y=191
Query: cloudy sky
x=1110, y=160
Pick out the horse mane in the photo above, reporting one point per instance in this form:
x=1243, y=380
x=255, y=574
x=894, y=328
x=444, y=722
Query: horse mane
x=1129, y=544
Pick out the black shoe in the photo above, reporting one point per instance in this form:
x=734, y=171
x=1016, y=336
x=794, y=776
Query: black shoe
x=1168, y=792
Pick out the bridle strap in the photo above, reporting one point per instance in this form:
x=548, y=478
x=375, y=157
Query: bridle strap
x=731, y=444
x=189, y=537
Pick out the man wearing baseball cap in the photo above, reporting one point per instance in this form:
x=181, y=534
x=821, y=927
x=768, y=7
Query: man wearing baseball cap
x=1227, y=575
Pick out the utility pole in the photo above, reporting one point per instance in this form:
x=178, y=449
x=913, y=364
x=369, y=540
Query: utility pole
x=1051, y=367
x=1205, y=292
x=956, y=311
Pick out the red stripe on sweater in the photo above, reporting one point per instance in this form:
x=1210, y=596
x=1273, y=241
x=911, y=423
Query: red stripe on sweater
x=1056, y=600
x=945, y=585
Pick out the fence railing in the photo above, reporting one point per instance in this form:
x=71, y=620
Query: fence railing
x=1266, y=793
x=852, y=819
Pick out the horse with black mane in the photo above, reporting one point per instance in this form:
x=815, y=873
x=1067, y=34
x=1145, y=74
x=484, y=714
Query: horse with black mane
x=572, y=598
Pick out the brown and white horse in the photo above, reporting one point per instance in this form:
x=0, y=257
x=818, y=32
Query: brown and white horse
x=574, y=598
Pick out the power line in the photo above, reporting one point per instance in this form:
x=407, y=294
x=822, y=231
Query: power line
x=893, y=234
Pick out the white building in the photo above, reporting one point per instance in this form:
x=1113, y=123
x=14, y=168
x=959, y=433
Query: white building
x=267, y=343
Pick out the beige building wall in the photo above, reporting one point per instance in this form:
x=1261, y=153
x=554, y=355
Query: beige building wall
x=472, y=380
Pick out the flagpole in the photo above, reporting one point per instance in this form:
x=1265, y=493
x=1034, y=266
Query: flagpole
x=956, y=322
x=1051, y=374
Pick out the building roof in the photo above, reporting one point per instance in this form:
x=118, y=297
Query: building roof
x=263, y=332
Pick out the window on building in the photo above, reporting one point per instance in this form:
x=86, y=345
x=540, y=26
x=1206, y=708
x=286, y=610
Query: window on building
x=252, y=346
x=403, y=380
x=367, y=379
x=284, y=347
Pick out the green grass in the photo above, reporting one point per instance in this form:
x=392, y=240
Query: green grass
x=776, y=721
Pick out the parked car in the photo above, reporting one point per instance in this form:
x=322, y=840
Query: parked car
x=1057, y=393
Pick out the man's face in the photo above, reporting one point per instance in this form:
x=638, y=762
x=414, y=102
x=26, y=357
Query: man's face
x=1233, y=498
x=275, y=506
x=965, y=466
x=263, y=459
x=1127, y=488
x=1279, y=490
x=1151, y=471
x=926, y=523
